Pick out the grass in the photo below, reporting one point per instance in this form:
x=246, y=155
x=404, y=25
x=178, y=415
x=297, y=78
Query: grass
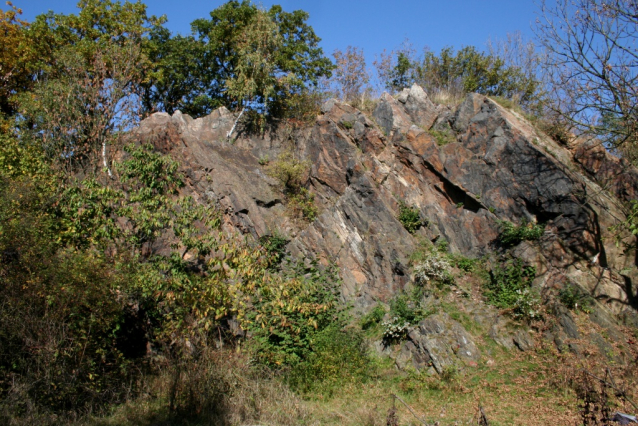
x=513, y=389
x=443, y=137
x=531, y=388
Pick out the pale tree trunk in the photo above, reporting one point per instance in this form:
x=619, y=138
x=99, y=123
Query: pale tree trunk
x=106, y=165
x=235, y=124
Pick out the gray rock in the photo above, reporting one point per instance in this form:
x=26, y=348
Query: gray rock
x=466, y=111
x=420, y=108
x=440, y=342
x=499, y=168
x=523, y=340
x=567, y=322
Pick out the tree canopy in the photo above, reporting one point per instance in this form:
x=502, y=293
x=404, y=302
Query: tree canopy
x=457, y=72
x=241, y=55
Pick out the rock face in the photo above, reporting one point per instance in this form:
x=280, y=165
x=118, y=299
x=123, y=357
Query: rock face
x=362, y=168
x=436, y=343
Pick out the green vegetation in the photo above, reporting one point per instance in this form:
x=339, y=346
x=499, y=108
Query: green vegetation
x=84, y=286
x=512, y=234
x=434, y=267
x=289, y=171
x=457, y=72
x=410, y=217
x=275, y=246
x=408, y=307
x=443, y=137
x=291, y=174
x=433, y=262
x=372, y=318
x=463, y=263
x=121, y=293
x=336, y=358
x=302, y=204
x=347, y=124
x=509, y=288
x=235, y=58
x=574, y=298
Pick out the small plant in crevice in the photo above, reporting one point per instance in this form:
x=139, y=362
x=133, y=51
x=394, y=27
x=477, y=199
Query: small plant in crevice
x=410, y=217
x=291, y=174
x=263, y=161
x=513, y=234
x=442, y=245
x=347, y=124
x=443, y=137
x=509, y=287
x=465, y=264
x=303, y=204
x=409, y=307
x=289, y=171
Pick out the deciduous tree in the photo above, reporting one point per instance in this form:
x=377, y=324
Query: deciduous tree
x=268, y=55
x=593, y=62
x=87, y=88
x=350, y=75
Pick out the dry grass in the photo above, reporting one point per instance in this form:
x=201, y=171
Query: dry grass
x=220, y=389
x=452, y=98
x=513, y=388
x=538, y=387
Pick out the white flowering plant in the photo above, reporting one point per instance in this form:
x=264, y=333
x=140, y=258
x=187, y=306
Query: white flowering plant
x=435, y=267
x=395, y=329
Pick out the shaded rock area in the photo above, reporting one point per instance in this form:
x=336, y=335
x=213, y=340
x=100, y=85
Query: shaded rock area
x=362, y=167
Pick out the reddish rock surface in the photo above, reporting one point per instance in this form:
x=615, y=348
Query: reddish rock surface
x=499, y=168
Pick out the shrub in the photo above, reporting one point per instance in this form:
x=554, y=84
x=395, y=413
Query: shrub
x=285, y=318
x=511, y=234
x=434, y=267
x=409, y=307
x=573, y=298
x=509, y=287
x=373, y=317
x=302, y=204
x=64, y=347
x=289, y=171
x=463, y=263
x=337, y=356
x=395, y=330
x=410, y=217
x=347, y=124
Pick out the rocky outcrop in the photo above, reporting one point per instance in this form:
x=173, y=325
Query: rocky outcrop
x=611, y=173
x=499, y=168
x=436, y=343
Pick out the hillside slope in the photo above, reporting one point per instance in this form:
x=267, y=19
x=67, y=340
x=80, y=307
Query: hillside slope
x=466, y=170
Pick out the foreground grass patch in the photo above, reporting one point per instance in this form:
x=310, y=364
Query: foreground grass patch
x=513, y=388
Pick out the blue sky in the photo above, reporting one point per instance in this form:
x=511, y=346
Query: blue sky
x=371, y=24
